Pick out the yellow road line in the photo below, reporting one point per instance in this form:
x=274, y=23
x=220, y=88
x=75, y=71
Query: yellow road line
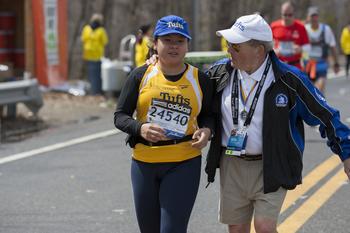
x=309, y=181
x=309, y=207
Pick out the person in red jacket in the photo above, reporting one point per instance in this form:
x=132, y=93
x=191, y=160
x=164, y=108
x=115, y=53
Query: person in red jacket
x=289, y=36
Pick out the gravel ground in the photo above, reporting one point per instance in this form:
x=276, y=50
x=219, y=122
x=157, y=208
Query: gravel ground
x=59, y=109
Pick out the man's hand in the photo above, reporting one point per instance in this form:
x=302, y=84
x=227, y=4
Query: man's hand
x=153, y=132
x=201, y=137
x=347, y=167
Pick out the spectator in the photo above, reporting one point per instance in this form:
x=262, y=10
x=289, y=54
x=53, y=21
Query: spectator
x=345, y=46
x=223, y=45
x=94, y=38
x=143, y=44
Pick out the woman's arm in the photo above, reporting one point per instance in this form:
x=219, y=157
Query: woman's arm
x=123, y=116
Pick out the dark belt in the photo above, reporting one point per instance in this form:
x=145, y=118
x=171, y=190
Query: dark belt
x=165, y=143
x=247, y=157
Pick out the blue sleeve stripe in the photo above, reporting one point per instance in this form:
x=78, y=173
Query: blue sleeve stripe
x=298, y=142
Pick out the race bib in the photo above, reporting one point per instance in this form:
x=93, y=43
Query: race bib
x=315, y=52
x=237, y=142
x=172, y=117
x=286, y=48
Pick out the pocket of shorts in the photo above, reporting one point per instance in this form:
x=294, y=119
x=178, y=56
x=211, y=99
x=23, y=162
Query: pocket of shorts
x=223, y=171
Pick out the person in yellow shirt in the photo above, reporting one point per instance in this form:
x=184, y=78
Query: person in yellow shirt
x=143, y=43
x=172, y=100
x=94, y=39
x=224, y=45
x=345, y=46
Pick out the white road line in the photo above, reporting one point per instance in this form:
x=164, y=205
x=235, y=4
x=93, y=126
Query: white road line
x=57, y=146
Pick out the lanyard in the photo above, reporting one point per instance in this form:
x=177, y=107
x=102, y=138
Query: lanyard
x=235, y=98
x=245, y=98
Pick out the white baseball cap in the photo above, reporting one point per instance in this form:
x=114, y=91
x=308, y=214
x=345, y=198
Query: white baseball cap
x=246, y=28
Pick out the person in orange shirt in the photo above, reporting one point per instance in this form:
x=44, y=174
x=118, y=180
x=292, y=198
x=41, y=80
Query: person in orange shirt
x=290, y=36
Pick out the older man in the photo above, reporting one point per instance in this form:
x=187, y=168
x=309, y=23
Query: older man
x=261, y=104
x=290, y=36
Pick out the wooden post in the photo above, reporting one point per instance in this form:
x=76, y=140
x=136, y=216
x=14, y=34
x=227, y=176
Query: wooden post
x=29, y=38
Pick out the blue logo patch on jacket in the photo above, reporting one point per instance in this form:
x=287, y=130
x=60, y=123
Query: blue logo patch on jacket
x=281, y=100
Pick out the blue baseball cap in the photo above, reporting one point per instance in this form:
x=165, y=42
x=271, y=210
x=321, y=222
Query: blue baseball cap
x=172, y=24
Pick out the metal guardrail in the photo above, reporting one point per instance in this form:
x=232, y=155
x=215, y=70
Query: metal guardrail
x=25, y=91
x=202, y=59
x=126, y=49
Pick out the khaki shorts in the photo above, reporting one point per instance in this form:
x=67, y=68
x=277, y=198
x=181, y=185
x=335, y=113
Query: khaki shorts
x=242, y=195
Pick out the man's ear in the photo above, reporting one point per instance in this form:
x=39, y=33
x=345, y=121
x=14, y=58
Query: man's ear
x=261, y=49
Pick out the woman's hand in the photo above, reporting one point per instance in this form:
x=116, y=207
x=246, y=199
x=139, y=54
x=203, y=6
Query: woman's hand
x=201, y=137
x=153, y=132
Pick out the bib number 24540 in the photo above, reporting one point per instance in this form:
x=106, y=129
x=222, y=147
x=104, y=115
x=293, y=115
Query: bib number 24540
x=170, y=116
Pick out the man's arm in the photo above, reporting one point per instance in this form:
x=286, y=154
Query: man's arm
x=330, y=40
x=314, y=110
x=127, y=101
x=335, y=59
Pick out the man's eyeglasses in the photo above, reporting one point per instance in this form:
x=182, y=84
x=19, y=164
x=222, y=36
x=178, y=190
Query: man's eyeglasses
x=235, y=47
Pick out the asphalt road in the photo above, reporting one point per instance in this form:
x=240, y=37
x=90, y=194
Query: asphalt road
x=84, y=186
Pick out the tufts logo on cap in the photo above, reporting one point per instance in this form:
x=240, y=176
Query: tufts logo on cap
x=239, y=25
x=281, y=100
x=175, y=25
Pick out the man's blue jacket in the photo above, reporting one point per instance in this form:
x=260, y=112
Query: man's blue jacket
x=283, y=128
